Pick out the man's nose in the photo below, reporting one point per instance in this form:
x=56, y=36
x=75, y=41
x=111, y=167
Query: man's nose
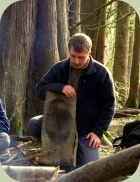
x=76, y=61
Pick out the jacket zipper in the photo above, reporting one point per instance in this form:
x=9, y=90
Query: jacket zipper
x=83, y=89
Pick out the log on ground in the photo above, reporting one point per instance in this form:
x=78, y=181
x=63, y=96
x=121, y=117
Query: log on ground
x=126, y=112
x=31, y=173
x=116, y=165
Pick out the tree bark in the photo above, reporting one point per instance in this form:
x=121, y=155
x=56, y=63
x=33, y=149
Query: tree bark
x=59, y=130
x=120, y=66
x=119, y=164
x=132, y=100
x=17, y=32
x=95, y=27
x=44, y=54
x=62, y=29
x=22, y=173
x=74, y=16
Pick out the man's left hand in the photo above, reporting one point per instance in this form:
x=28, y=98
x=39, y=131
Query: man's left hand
x=95, y=141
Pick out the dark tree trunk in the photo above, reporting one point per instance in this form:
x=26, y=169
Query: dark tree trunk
x=16, y=32
x=44, y=54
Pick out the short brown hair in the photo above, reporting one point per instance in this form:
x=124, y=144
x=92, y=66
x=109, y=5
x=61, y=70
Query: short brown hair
x=80, y=42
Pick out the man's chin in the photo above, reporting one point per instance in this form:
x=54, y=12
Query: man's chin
x=76, y=67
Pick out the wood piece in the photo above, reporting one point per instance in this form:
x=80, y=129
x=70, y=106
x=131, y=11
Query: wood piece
x=45, y=153
x=126, y=112
x=30, y=173
x=32, y=151
x=59, y=130
x=21, y=145
x=12, y=157
x=122, y=163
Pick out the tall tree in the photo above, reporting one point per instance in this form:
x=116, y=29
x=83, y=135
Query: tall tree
x=16, y=32
x=62, y=29
x=121, y=49
x=44, y=54
x=74, y=16
x=132, y=100
x=95, y=26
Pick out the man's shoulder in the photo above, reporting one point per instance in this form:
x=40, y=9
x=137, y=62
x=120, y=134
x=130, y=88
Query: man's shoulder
x=99, y=66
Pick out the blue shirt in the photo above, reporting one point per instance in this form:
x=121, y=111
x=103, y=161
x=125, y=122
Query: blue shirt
x=4, y=123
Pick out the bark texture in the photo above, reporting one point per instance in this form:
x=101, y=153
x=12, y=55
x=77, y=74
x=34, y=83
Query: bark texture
x=119, y=164
x=17, y=33
x=120, y=66
x=23, y=173
x=59, y=130
x=44, y=54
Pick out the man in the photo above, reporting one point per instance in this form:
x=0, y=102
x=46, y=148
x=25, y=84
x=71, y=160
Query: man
x=4, y=129
x=82, y=77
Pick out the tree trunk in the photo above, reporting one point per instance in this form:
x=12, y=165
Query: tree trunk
x=100, y=52
x=30, y=173
x=94, y=27
x=132, y=100
x=59, y=130
x=74, y=15
x=17, y=33
x=120, y=66
x=44, y=54
x=62, y=29
x=119, y=164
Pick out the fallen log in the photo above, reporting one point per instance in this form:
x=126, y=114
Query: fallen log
x=126, y=112
x=116, y=165
x=31, y=173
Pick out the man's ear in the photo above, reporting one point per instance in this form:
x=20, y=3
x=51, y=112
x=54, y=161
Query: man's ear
x=89, y=53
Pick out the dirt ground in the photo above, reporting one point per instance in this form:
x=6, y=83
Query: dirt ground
x=115, y=128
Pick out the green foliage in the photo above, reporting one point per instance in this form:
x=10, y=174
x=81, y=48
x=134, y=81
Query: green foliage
x=109, y=136
x=132, y=25
x=16, y=125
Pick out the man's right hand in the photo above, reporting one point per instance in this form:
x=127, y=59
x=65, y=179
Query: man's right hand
x=69, y=91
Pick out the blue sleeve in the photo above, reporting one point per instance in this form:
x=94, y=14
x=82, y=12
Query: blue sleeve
x=4, y=123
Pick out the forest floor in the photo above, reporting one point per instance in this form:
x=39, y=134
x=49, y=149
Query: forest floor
x=32, y=148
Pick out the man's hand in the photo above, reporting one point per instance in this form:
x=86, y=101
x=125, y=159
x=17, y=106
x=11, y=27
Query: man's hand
x=69, y=91
x=95, y=141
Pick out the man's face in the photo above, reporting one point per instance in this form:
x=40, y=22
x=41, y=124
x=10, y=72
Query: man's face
x=78, y=60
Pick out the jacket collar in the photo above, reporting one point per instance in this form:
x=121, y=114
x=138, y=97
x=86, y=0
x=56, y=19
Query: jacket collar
x=90, y=69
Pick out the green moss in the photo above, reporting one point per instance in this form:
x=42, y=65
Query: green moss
x=16, y=125
x=132, y=101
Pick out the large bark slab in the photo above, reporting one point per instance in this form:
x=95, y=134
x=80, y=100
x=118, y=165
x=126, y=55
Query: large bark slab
x=59, y=130
x=30, y=173
x=119, y=164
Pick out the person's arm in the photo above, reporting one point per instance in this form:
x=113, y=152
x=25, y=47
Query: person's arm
x=49, y=82
x=4, y=123
x=107, y=103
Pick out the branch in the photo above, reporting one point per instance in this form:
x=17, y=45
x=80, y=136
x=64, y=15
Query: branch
x=91, y=14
